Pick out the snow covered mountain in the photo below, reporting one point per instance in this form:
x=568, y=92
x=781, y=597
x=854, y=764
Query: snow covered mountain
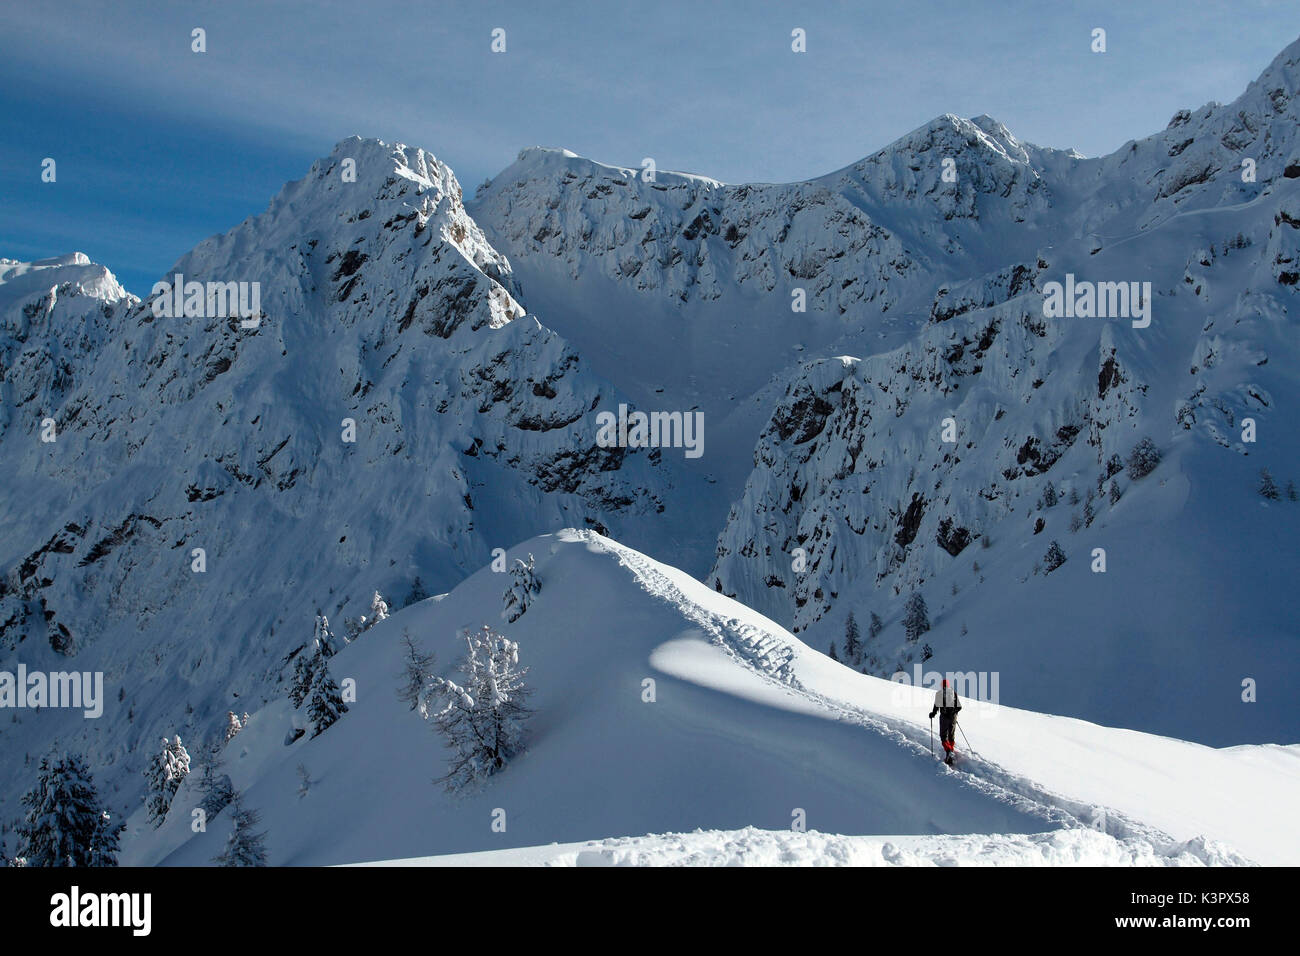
x=947, y=396
x=391, y=413
x=916, y=374
x=661, y=706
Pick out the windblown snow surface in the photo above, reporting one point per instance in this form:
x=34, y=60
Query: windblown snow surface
x=748, y=727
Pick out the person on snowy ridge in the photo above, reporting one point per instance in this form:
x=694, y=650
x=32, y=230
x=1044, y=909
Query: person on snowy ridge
x=946, y=705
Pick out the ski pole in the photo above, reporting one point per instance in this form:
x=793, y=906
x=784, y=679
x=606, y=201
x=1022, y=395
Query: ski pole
x=968, y=746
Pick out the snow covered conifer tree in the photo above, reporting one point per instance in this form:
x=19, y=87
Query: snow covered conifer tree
x=418, y=592
x=417, y=672
x=325, y=703
x=65, y=824
x=178, y=763
x=875, y=627
x=159, y=796
x=215, y=788
x=105, y=843
x=831, y=653
x=245, y=846
x=233, y=726
x=165, y=774
x=1291, y=492
x=324, y=637
x=852, y=641
x=1267, y=486
x=916, y=617
x=482, y=720
x=378, y=610
x=303, y=672
x=1049, y=495
x=1114, y=492
x=352, y=628
x=1143, y=459
x=519, y=595
x=1054, y=558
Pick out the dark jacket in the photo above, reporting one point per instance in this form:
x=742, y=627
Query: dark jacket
x=946, y=702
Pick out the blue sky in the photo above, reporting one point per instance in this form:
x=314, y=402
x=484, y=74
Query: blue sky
x=158, y=147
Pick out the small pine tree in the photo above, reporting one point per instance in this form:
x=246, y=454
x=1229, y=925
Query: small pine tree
x=482, y=721
x=215, y=788
x=165, y=773
x=105, y=844
x=916, y=617
x=1089, y=513
x=875, y=627
x=378, y=610
x=852, y=641
x=1054, y=558
x=524, y=585
x=304, y=672
x=926, y=653
x=418, y=592
x=304, y=780
x=245, y=846
x=834, y=656
x=1049, y=495
x=1114, y=492
x=158, y=796
x=325, y=702
x=352, y=628
x=1143, y=459
x=417, y=672
x=65, y=824
x=1114, y=465
x=1074, y=496
x=233, y=725
x=1268, y=487
x=1075, y=523
x=1291, y=492
x=324, y=637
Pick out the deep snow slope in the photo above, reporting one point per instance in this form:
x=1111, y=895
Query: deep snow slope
x=383, y=311
x=747, y=726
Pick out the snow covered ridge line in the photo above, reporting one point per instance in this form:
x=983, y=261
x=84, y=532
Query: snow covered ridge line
x=211, y=300
x=70, y=689
x=1100, y=300
x=651, y=430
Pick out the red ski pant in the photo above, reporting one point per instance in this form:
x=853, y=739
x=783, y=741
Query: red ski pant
x=947, y=728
